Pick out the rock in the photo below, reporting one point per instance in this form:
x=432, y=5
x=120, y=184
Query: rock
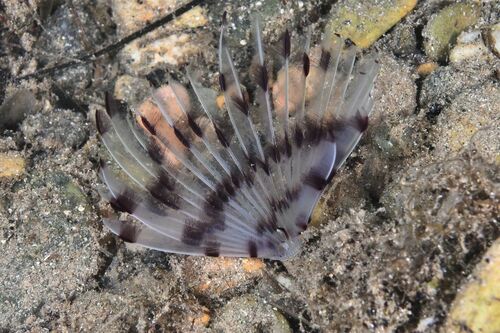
x=61, y=255
x=469, y=47
x=364, y=22
x=131, y=89
x=477, y=306
x=63, y=36
x=17, y=15
x=131, y=16
x=213, y=277
x=442, y=30
x=168, y=45
x=55, y=130
x=493, y=38
x=11, y=166
x=486, y=145
x=403, y=40
x=142, y=301
x=15, y=108
x=471, y=110
x=445, y=82
x=248, y=314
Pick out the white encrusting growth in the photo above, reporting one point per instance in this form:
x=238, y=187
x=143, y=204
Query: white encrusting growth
x=242, y=180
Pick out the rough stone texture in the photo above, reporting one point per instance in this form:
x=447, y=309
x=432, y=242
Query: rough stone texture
x=443, y=28
x=477, y=308
x=167, y=46
x=11, y=166
x=470, y=45
x=214, y=278
x=471, y=110
x=249, y=314
x=446, y=82
x=55, y=130
x=15, y=107
x=404, y=225
x=50, y=249
x=364, y=22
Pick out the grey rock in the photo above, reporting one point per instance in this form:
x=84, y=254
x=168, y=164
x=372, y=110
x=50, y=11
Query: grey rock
x=15, y=108
x=56, y=130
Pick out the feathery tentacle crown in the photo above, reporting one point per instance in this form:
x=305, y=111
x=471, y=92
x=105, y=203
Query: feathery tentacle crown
x=241, y=181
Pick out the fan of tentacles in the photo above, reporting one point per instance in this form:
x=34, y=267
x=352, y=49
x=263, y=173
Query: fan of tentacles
x=238, y=178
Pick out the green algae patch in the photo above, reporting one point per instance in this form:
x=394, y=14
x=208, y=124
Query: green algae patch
x=477, y=307
x=443, y=28
x=364, y=22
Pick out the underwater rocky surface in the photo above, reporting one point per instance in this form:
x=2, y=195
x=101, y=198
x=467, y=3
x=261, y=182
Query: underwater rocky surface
x=405, y=238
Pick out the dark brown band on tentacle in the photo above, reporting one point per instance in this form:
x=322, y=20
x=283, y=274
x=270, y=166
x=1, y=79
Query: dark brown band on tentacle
x=262, y=77
x=166, y=180
x=193, y=232
x=222, y=82
x=301, y=222
x=241, y=104
x=228, y=186
x=306, y=64
x=288, y=146
x=194, y=126
x=160, y=193
x=286, y=44
x=155, y=151
x=124, y=202
x=129, y=232
x=102, y=122
x=214, y=202
x=360, y=122
x=325, y=59
x=149, y=127
x=252, y=249
x=236, y=177
x=315, y=180
x=220, y=136
x=114, y=106
x=273, y=152
x=298, y=136
x=181, y=137
x=268, y=225
x=221, y=193
x=212, y=249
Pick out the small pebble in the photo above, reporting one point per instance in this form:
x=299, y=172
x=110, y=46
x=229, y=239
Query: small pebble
x=470, y=46
x=11, y=166
x=426, y=68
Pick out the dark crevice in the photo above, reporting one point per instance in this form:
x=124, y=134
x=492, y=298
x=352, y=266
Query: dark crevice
x=419, y=38
x=64, y=101
x=433, y=111
x=416, y=306
x=298, y=325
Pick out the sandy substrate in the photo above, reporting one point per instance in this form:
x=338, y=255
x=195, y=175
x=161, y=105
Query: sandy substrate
x=397, y=235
